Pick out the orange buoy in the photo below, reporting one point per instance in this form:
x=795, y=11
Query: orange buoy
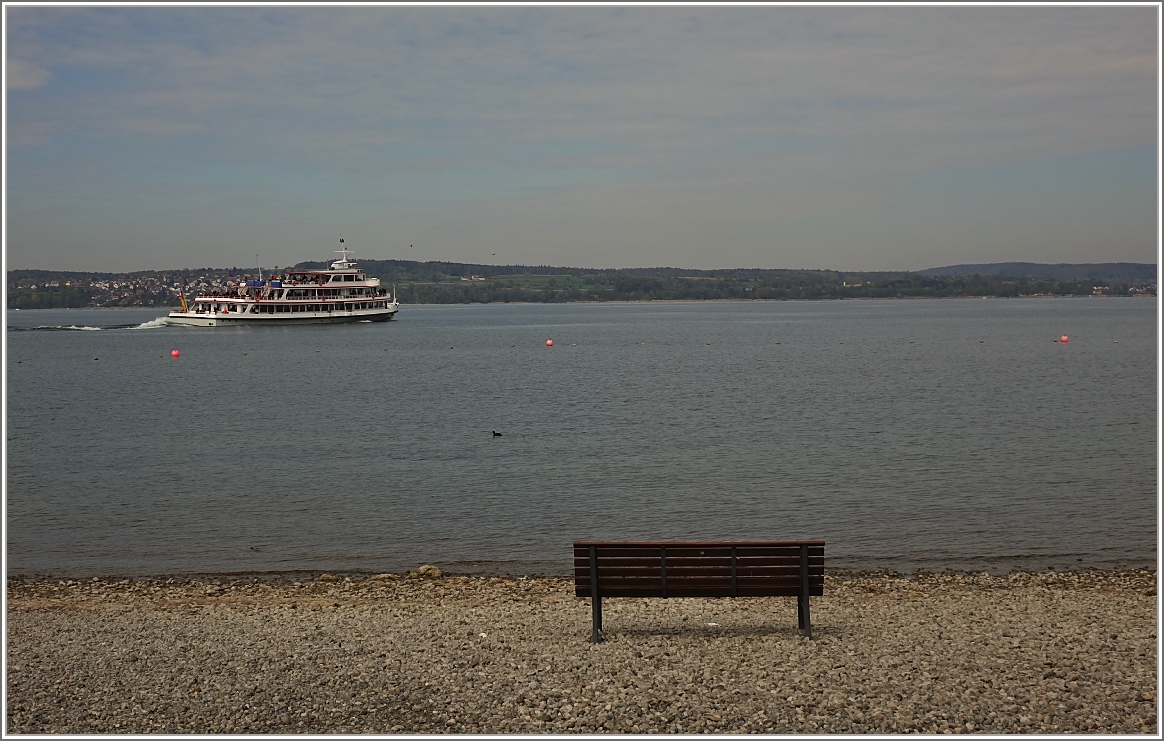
x=174, y=353
x=1063, y=339
x=549, y=343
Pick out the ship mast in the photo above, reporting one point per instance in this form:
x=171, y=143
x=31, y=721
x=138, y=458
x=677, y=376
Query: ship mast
x=343, y=262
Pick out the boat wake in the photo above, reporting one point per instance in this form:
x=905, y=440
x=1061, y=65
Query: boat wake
x=56, y=328
x=151, y=324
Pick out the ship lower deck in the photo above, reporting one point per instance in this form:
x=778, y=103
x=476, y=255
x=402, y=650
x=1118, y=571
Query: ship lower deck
x=208, y=319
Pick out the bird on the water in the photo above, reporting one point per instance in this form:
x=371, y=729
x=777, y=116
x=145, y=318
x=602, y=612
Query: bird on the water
x=496, y=433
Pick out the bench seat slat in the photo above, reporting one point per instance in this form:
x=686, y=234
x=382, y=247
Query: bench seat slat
x=698, y=544
x=646, y=579
x=683, y=568
x=605, y=567
x=744, y=556
x=695, y=576
x=680, y=552
x=628, y=587
x=648, y=556
x=610, y=576
x=678, y=591
x=697, y=579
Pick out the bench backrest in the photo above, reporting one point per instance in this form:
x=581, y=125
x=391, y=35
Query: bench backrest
x=746, y=569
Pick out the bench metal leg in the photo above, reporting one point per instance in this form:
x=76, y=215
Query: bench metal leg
x=804, y=619
x=595, y=599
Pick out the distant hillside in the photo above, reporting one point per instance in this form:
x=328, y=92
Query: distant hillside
x=459, y=283
x=1135, y=273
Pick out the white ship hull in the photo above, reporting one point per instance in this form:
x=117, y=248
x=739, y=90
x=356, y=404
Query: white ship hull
x=200, y=319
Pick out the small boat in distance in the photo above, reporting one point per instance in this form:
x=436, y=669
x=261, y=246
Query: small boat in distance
x=341, y=294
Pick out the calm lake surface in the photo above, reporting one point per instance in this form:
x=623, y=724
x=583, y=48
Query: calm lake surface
x=935, y=434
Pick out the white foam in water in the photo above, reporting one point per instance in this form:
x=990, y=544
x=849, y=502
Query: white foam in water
x=151, y=324
x=74, y=326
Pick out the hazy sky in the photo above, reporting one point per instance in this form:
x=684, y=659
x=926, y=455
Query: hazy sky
x=848, y=138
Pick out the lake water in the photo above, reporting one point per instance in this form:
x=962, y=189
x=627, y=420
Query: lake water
x=935, y=434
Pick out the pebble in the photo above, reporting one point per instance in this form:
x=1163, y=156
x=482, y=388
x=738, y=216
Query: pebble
x=425, y=653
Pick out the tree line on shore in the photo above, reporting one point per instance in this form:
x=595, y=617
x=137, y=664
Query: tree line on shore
x=640, y=288
x=448, y=283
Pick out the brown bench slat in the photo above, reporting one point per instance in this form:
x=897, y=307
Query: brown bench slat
x=679, y=592
x=644, y=577
x=615, y=572
x=740, y=553
x=697, y=544
x=748, y=586
x=742, y=563
x=685, y=552
x=609, y=576
x=684, y=592
x=583, y=563
x=654, y=558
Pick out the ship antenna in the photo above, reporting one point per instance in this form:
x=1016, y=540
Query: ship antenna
x=260, y=266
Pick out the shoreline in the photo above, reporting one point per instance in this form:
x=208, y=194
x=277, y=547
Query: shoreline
x=1025, y=652
x=275, y=576
x=655, y=301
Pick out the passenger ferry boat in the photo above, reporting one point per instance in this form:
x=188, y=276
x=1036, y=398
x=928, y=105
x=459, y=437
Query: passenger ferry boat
x=343, y=293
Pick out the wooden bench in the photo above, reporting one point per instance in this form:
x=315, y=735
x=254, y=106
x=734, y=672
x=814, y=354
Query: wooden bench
x=791, y=568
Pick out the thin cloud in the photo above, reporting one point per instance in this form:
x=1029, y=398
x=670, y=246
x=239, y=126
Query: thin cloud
x=498, y=105
x=21, y=75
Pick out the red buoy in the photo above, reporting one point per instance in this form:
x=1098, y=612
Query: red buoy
x=1063, y=339
x=174, y=353
x=549, y=343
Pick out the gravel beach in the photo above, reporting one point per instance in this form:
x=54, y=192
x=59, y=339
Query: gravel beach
x=422, y=653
